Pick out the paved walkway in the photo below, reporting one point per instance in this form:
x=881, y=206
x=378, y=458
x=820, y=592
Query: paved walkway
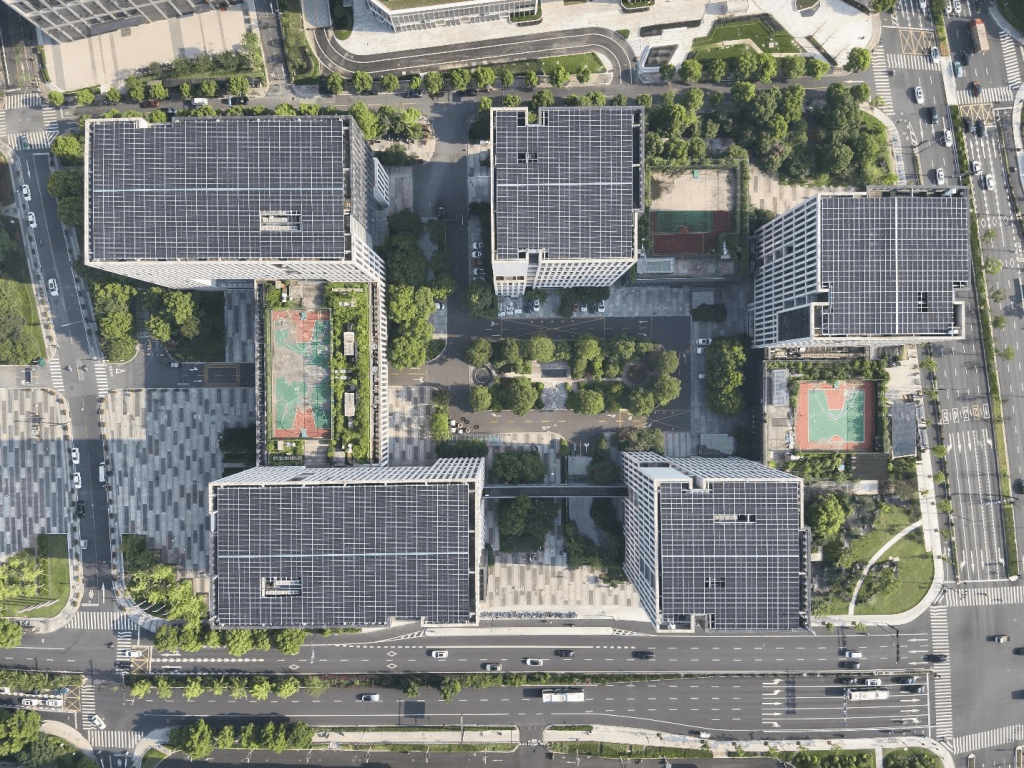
x=874, y=559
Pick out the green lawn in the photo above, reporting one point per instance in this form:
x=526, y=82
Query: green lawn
x=53, y=547
x=208, y=346
x=728, y=52
x=916, y=568
x=1013, y=12
x=889, y=521
x=572, y=64
x=303, y=67
x=152, y=758
x=755, y=30
x=18, y=272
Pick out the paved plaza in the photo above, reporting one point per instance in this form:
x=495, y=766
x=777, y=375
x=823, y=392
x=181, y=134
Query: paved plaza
x=35, y=454
x=162, y=446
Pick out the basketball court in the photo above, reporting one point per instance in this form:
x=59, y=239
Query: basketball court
x=301, y=353
x=835, y=416
x=677, y=233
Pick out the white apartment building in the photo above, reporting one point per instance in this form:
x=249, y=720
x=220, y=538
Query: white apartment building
x=567, y=193
x=886, y=266
x=718, y=543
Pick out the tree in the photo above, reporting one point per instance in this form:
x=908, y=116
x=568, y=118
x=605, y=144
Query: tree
x=999, y=322
x=725, y=361
x=1008, y=353
x=140, y=688
x=559, y=76
x=365, y=119
x=743, y=92
x=433, y=82
x=10, y=634
x=259, y=689
x=56, y=98
x=226, y=737
x=389, y=83
x=508, y=79
x=541, y=348
x=767, y=67
x=460, y=78
x=619, y=100
x=516, y=468
x=583, y=74
x=68, y=148
x=745, y=64
x=542, y=98
x=665, y=389
x=859, y=61
x=690, y=71
x=163, y=688
x=531, y=79
x=282, y=110
x=199, y=742
x=449, y=688
x=238, y=641
x=362, y=82
x=274, y=737
x=208, y=88
x=860, y=92
x=158, y=91
x=17, y=729
x=641, y=402
x=815, y=68
x=485, y=76
x=667, y=72
x=518, y=395
x=826, y=516
x=667, y=362
x=334, y=83
x=184, y=88
x=479, y=399
x=316, y=686
x=288, y=641
x=642, y=439
x=238, y=85
x=591, y=402
x=478, y=353
x=193, y=688
x=792, y=67
x=485, y=105
x=716, y=70
x=513, y=515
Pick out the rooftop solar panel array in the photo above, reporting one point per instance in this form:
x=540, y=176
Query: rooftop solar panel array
x=733, y=552
x=566, y=185
x=271, y=188
x=891, y=263
x=360, y=554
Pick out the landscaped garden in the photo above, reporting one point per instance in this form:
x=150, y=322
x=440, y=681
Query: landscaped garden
x=36, y=585
x=350, y=312
x=767, y=36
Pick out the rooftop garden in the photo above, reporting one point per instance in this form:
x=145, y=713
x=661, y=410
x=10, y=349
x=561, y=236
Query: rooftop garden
x=350, y=311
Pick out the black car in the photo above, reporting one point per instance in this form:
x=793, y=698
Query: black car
x=846, y=680
x=933, y=115
x=914, y=688
x=980, y=128
x=936, y=658
x=169, y=111
x=644, y=655
x=905, y=680
x=564, y=653
x=966, y=57
x=80, y=508
x=849, y=664
x=1019, y=651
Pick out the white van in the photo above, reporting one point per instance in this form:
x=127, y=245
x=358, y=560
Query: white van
x=103, y=473
x=199, y=102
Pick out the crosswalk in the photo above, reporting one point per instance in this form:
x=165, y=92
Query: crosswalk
x=1012, y=595
x=883, y=87
x=1010, y=734
x=123, y=643
x=108, y=620
x=31, y=100
x=1010, y=57
x=911, y=61
x=56, y=374
x=987, y=95
x=87, y=704
x=942, y=686
x=102, y=385
x=115, y=739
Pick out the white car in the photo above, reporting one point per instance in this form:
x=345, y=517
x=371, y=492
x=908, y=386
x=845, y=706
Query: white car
x=601, y=306
x=26, y=193
x=956, y=6
x=918, y=94
x=703, y=342
x=873, y=681
x=949, y=6
x=535, y=662
x=54, y=703
x=492, y=667
x=133, y=654
x=975, y=166
x=947, y=138
x=989, y=182
x=940, y=176
x=97, y=722
x=370, y=697
x=85, y=543
x=76, y=480
x=439, y=654
x=933, y=54
x=52, y=285
x=75, y=456
x=476, y=255
x=478, y=246
x=32, y=219
x=31, y=703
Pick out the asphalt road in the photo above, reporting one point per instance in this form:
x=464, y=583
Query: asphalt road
x=335, y=57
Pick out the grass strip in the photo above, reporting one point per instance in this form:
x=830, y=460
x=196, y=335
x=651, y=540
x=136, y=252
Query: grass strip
x=303, y=67
x=573, y=63
x=755, y=30
x=489, y=747
x=989, y=345
x=638, y=752
x=152, y=758
x=416, y=729
x=1013, y=12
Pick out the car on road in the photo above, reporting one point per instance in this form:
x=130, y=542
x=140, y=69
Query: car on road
x=565, y=653
x=933, y=115
x=988, y=182
x=905, y=679
x=477, y=246
x=76, y=480
x=31, y=702
x=975, y=166
x=871, y=681
x=852, y=653
x=477, y=254
x=85, y=544
x=936, y=658
x=97, y=722
x=918, y=94
x=1001, y=638
x=80, y=508
x=933, y=54
x=914, y=688
x=26, y=193
x=233, y=100
x=849, y=664
x=980, y=129
x=51, y=284
x=975, y=88
x=122, y=666
x=703, y=342
x=947, y=138
x=75, y=456
x=438, y=654
x=958, y=70
x=31, y=219
x=61, y=691
x=940, y=176
x=601, y=305
x=54, y=703
x=479, y=271
x=370, y=697
x=133, y=654
x=492, y=667
x=535, y=662
x=843, y=680
x=644, y=655
x=151, y=103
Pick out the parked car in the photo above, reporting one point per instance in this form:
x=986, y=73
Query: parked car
x=535, y=662
x=949, y=6
x=438, y=306
x=75, y=456
x=439, y=654
x=565, y=653
x=915, y=689
x=26, y=193
x=61, y=691
x=31, y=219
x=936, y=658
x=703, y=342
x=477, y=246
x=852, y=653
x=31, y=703
x=54, y=703
x=479, y=271
x=51, y=284
x=536, y=305
x=478, y=262
x=492, y=667
x=918, y=94
x=905, y=679
x=232, y=100
x=85, y=544
x=477, y=254
x=1002, y=638
x=849, y=664
x=370, y=697
x=601, y=306
x=76, y=480
x=151, y=103
x=80, y=508
x=976, y=88
x=956, y=6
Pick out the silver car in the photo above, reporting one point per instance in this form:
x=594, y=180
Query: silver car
x=918, y=94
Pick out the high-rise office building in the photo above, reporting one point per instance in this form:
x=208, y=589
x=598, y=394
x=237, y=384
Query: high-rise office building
x=67, y=20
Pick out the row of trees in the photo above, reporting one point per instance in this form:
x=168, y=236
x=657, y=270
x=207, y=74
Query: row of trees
x=22, y=742
x=460, y=79
x=112, y=303
x=586, y=355
x=172, y=314
x=746, y=65
x=257, y=688
x=197, y=739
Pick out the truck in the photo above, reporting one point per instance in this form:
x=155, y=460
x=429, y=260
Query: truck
x=562, y=695
x=979, y=36
x=866, y=694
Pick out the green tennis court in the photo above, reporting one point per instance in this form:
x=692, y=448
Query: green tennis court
x=670, y=222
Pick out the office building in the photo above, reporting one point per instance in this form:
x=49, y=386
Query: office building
x=882, y=267
x=716, y=543
x=348, y=546
x=567, y=193
x=405, y=15
x=67, y=20
x=213, y=203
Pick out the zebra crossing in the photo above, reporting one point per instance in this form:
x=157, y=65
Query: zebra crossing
x=108, y=620
x=87, y=704
x=102, y=384
x=1009, y=734
x=1010, y=57
x=24, y=100
x=123, y=643
x=56, y=374
x=910, y=61
x=883, y=88
x=115, y=739
x=942, y=686
x=1012, y=595
x=1002, y=93
x=36, y=139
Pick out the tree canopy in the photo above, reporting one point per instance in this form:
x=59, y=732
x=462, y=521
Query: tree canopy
x=726, y=359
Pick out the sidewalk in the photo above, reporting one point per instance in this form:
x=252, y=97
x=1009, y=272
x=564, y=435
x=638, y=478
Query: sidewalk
x=894, y=141
x=70, y=735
